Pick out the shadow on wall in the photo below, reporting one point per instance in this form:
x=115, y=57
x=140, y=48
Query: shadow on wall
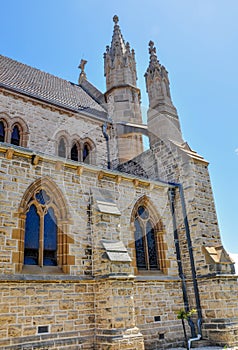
x=235, y=258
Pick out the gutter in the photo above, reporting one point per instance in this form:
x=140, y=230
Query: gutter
x=105, y=134
x=194, y=276
x=171, y=193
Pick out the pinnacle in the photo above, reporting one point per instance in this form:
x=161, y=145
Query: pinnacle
x=115, y=19
x=118, y=43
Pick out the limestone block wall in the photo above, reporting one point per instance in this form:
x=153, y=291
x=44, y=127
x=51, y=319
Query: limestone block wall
x=84, y=230
x=89, y=299
x=177, y=163
x=220, y=309
x=47, y=123
x=124, y=106
x=66, y=300
x=157, y=302
x=46, y=314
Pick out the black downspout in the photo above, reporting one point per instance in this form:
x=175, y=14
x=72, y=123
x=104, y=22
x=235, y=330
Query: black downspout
x=105, y=134
x=190, y=249
x=179, y=261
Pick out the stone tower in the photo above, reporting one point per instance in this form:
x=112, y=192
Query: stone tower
x=163, y=122
x=122, y=95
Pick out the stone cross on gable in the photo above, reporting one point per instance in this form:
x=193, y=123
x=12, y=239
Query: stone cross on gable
x=82, y=75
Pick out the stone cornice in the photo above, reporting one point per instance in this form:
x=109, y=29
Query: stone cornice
x=80, y=168
x=122, y=86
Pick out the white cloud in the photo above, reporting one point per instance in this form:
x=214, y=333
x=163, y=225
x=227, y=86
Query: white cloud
x=236, y=150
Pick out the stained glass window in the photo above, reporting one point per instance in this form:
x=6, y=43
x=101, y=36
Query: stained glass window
x=140, y=248
x=40, y=247
x=145, y=241
x=2, y=132
x=15, y=137
x=143, y=212
x=151, y=244
x=50, y=238
x=32, y=235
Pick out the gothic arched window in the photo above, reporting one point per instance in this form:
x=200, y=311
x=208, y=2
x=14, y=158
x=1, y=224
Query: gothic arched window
x=145, y=241
x=40, y=247
x=86, y=151
x=2, y=132
x=15, y=136
x=75, y=153
x=62, y=148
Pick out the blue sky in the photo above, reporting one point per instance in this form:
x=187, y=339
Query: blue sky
x=196, y=40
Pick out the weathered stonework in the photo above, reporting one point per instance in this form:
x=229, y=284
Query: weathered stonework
x=136, y=233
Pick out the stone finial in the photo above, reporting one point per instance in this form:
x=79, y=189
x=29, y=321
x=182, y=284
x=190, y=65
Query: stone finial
x=82, y=75
x=115, y=19
x=152, y=48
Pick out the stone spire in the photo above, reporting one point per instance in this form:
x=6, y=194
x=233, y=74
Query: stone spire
x=162, y=115
x=122, y=95
x=157, y=82
x=119, y=60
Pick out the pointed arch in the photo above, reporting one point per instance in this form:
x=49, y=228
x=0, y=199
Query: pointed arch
x=18, y=132
x=88, y=151
x=43, y=226
x=11, y=127
x=16, y=135
x=2, y=131
x=47, y=184
x=62, y=144
x=75, y=150
x=62, y=147
x=148, y=237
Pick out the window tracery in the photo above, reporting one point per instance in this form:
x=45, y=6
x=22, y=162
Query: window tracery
x=43, y=228
x=40, y=247
x=148, y=244
x=145, y=241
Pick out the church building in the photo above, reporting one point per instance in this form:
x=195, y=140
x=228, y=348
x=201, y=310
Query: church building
x=103, y=243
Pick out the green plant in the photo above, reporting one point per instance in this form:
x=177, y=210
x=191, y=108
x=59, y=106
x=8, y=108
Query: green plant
x=185, y=315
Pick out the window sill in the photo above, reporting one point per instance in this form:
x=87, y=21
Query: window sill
x=154, y=276
x=45, y=270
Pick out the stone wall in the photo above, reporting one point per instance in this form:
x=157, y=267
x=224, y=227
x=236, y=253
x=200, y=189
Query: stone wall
x=46, y=123
x=220, y=309
x=46, y=314
x=88, y=298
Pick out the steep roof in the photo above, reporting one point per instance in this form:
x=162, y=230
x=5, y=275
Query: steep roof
x=44, y=86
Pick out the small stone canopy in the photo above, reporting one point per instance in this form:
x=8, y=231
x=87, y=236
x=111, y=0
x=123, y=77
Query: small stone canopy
x=217, y=255
x=116, y=251
x=104, y=201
